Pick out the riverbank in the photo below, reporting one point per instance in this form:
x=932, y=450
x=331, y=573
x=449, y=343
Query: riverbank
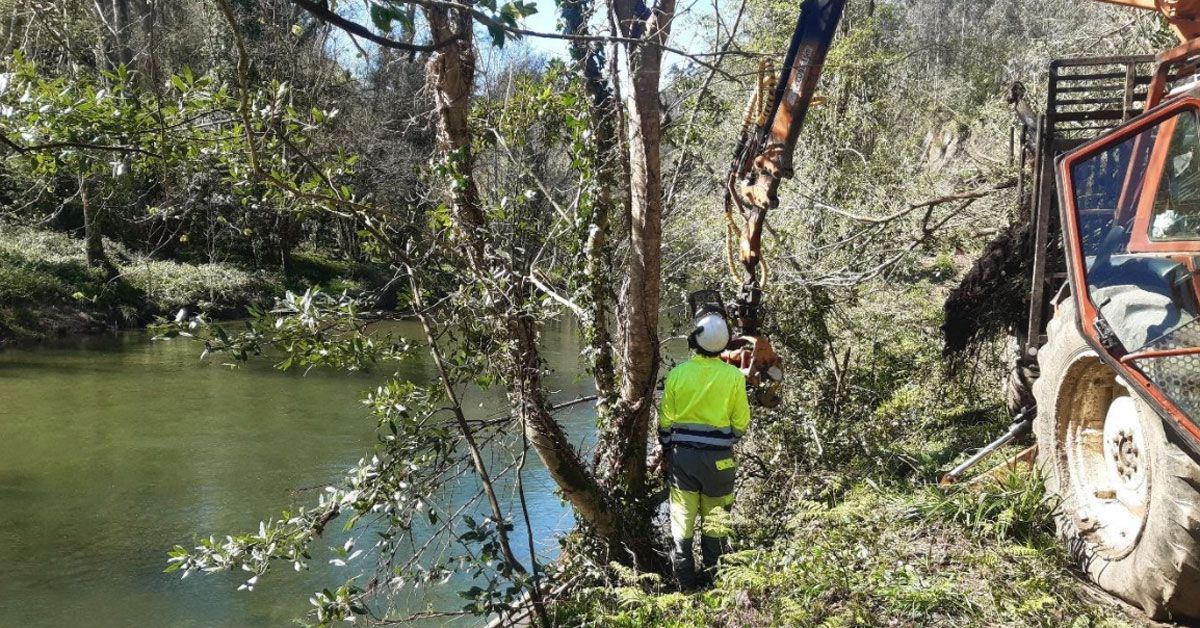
x=48, y=290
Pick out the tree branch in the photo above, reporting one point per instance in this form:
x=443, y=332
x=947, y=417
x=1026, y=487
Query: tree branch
x=550, y=292
x=962, y=196
x=116, y=148
x=321, y=11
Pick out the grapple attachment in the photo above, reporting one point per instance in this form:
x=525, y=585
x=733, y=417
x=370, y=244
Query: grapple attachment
x=761, y=365
x=750, y=350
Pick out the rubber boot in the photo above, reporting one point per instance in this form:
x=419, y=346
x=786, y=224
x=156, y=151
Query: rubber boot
x=683, y=563
x=711, y=548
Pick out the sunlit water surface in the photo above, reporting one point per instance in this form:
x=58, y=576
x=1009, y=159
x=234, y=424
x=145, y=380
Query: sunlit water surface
x=113, y=449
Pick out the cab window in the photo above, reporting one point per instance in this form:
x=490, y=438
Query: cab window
x=1143, y=297
x=1176, y=211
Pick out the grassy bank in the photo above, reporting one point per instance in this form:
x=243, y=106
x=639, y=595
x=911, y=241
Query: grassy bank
x=879, y=556
x=47, y=289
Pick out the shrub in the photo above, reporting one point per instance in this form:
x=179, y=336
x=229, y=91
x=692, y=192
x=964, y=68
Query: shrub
x=213, y=288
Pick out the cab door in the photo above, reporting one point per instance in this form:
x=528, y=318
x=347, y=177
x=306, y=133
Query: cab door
x=1130, y=209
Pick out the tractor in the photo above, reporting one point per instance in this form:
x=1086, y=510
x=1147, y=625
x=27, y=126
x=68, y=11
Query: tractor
x=1111, y=176
x=1108, y=378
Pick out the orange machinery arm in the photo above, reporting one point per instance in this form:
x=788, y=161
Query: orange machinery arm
x=1183, y=15
x=763, y=157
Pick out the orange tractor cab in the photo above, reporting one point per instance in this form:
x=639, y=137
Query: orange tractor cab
x=1131, y=226
x=1110, y=181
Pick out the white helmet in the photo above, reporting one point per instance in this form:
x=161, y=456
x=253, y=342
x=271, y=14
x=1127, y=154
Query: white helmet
x=712, y=333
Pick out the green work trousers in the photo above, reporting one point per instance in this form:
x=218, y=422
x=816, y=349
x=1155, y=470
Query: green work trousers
x=701, y=486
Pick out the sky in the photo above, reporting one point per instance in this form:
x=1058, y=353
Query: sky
x=545, y=20
x=685, y=32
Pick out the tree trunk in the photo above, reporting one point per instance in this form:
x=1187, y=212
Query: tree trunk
x=93, y=236
x=116, y=32
x=547, y=436
x=623, y=444
x=589, y=61
x=121, y=25
x=93, y=241
x=624, y=524
x=148, y=64
x=451, y=77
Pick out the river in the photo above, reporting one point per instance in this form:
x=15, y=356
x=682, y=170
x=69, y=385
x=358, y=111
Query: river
x=115, y=448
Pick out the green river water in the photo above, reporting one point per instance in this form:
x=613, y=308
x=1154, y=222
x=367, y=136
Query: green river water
x=115, y=448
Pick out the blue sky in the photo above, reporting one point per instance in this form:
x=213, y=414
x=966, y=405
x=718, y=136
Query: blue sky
x=545, y=21
x=685, y=35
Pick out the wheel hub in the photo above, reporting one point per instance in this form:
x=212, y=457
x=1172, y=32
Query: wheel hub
x=1125, y=455
x=1111, y=469
x=1123, y=447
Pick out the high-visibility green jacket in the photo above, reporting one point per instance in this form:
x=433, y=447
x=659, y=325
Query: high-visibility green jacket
x=704, y=404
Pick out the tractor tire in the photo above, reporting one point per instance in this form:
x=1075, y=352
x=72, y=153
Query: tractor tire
x=1130, y=499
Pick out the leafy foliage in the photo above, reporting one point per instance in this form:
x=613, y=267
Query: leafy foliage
x=874, y=557
x=311, y=329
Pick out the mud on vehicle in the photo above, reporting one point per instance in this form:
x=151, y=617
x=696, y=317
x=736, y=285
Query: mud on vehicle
x=1110, y=353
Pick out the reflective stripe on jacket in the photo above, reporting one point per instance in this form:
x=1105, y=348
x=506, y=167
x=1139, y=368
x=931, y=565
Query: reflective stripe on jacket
x=704, y=403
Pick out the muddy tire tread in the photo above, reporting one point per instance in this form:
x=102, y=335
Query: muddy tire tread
x=1162, y=573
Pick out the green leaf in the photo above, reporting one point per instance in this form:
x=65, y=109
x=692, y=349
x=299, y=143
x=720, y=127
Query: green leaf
x=498, y=34
x=382, y=17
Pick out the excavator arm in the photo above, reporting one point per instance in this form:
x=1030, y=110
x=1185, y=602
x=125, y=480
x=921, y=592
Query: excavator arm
x=763, y=158
x=1183, y=15
x=772, y=127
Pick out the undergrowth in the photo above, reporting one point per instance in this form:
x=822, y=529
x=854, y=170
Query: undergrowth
x=840, y=519
x=880, y=556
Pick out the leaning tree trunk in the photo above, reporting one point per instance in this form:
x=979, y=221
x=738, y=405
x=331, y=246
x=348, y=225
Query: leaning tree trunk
x=451, y=76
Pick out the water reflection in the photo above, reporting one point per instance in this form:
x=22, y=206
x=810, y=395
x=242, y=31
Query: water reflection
x=115, y=448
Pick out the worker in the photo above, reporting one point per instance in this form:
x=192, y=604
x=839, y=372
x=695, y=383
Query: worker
x=704, y=412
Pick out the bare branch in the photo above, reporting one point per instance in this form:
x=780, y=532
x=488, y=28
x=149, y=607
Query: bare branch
x=962, y=196
x=958, y=196
x=550, y=292
x=321, y=11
